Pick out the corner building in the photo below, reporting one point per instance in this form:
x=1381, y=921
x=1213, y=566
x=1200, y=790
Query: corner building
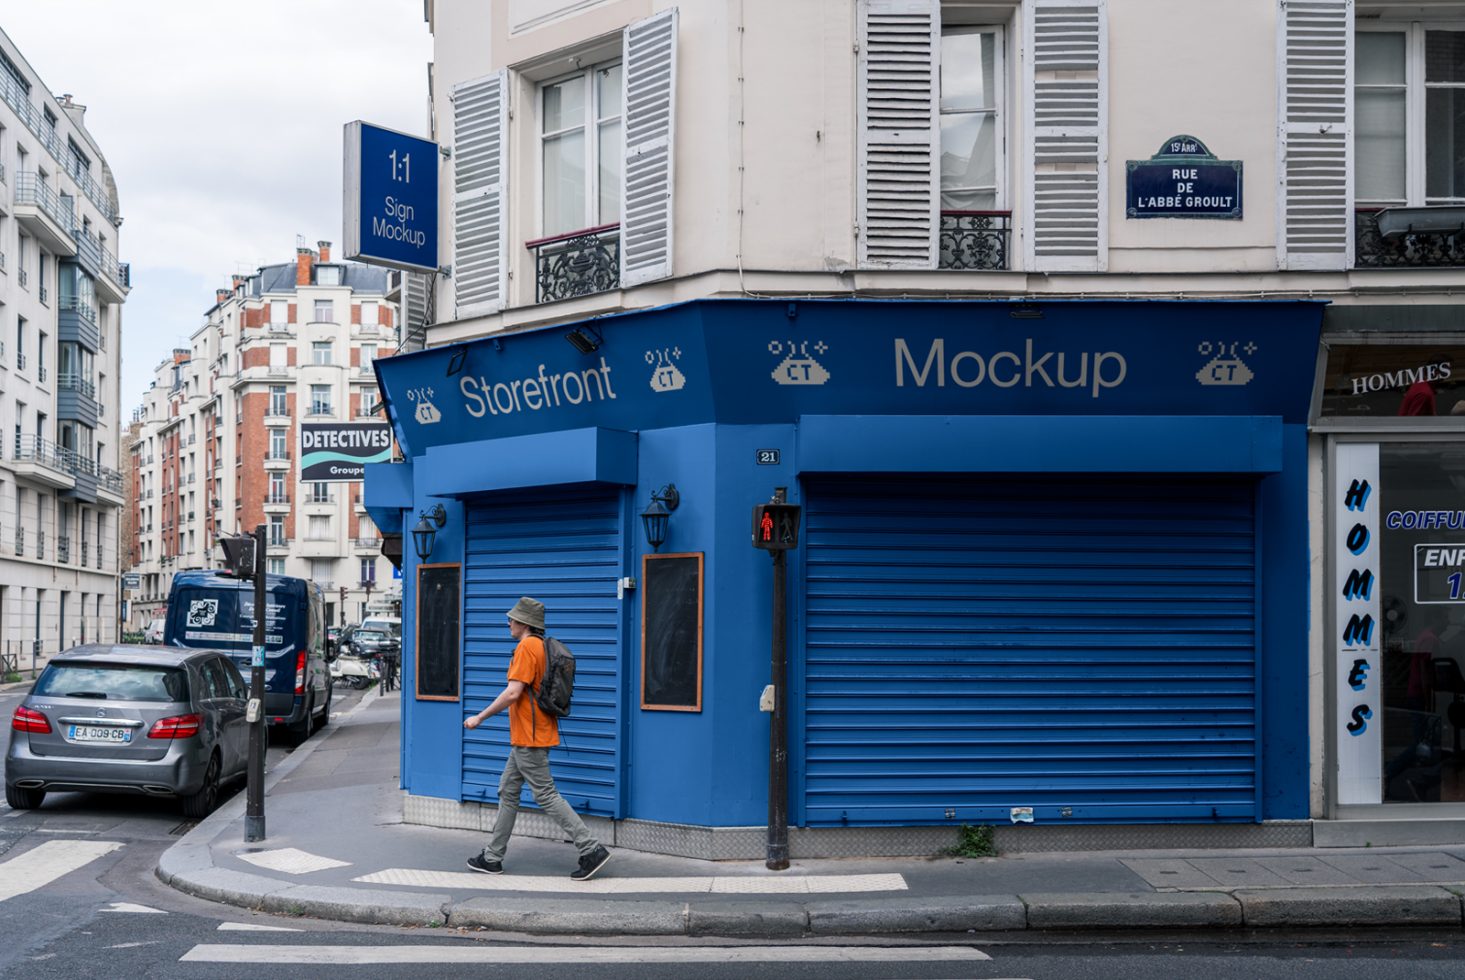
x=217, y=444
x=1071, y=375
x=61, y=294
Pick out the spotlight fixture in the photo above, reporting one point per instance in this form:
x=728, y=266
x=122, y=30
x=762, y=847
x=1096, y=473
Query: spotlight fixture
x=586, y=339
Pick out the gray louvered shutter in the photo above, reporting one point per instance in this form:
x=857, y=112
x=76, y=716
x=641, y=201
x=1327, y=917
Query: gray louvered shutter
x=416, y=312
x=480, y=182
x=1315, y=48
x=650, y=53
x=899, y=181
x=1067, y=77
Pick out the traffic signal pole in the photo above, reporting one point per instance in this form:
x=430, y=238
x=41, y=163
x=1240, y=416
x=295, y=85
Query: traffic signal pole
x=776, y=531
x=778, y=721
x=254, y=809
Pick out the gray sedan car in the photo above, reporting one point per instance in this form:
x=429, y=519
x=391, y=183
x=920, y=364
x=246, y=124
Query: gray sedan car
x=161, y=721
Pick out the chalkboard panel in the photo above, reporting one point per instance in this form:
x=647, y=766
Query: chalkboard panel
x=438, y=622
x=671, y=632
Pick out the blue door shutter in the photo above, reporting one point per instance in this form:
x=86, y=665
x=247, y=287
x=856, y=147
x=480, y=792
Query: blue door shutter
x=1084, y=647
x=564, y=549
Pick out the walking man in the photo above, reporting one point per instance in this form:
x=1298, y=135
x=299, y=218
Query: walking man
x=531, y=735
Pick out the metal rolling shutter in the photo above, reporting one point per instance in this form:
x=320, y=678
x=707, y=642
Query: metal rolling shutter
x=1085, y=647
x=563, y=548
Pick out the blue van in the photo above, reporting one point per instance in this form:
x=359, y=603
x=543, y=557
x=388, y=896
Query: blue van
x=214, y=610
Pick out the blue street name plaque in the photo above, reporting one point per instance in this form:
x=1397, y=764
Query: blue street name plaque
x=1183, y=180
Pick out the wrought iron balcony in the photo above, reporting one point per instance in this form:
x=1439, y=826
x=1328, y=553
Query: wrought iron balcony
x=20, y=541
x=1374, y=250
x=579, y=263
x=975, y=240
x=277, y=498
x=40, y=544
x=63, y=548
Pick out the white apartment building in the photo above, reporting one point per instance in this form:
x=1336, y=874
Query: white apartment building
x=61, y=295
x=972, y=180
x=217, y=445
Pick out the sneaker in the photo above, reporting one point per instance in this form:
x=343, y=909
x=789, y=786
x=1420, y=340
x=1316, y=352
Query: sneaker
x=590, y=864
x=479, y=863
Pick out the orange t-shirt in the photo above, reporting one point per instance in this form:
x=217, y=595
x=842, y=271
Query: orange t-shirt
x=528, y=726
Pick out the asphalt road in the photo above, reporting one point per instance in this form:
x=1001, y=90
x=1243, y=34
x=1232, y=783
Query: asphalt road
x=78, y=897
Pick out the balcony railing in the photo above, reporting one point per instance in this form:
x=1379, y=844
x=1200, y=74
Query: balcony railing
x=40, y=544
x=368, y=542
x=975, y=240
x=277, y=498
x=73, y=304
x=20, y=541
x=576, y=264
x=73, y=381
x=63, y=548
x=19, y=101
x=30, y=189
x=34, y=449
x=1374, y=250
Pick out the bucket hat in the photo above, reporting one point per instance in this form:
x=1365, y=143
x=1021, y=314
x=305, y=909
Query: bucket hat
x=528, y=611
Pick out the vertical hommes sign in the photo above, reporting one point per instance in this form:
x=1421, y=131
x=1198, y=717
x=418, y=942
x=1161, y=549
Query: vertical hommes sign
x=1356, y=627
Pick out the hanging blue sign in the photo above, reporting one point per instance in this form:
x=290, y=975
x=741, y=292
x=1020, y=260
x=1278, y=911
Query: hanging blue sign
x=390, y=208
x=1183, y=180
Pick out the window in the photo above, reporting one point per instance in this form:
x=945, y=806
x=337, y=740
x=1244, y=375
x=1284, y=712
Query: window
x=368, y=569
x=971, y=120
x=277, y=530
x=278, y=404
x=277, y=444
x=279, y=357
x=369, y=314
x=320, y=528
x=320, y=352
x=1409, y=112
x=320, y=399
x=368, y=354
x=325, y=311
x=320, y=493
x=275, y=566
x=328, y=275
x=279, y=313
x=320, y=569
x=580, y=150
x=277, y=489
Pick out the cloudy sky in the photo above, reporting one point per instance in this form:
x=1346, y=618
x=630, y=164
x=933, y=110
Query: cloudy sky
x=222, y=123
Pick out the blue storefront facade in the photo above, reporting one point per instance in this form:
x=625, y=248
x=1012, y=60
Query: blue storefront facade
x=1053, y=558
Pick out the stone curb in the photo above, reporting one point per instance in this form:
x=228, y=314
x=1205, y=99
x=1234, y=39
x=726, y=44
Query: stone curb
x=1383, y=905
x=581, y=917
x=980, y=913
x=1132, y=911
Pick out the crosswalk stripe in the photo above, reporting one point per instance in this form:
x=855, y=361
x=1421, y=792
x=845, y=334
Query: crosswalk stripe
x=44, y=864
x=698, y=884
x=579, y=955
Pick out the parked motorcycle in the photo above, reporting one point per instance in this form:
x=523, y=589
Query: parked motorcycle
x=357, y=673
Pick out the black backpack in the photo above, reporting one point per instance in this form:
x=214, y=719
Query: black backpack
x=557, y=686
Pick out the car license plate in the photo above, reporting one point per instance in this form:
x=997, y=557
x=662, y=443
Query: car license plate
x=92, y=733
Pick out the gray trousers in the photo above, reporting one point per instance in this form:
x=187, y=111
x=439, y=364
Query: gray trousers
x=532, y=766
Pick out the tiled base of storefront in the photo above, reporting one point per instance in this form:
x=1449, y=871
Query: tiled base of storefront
x=750, y=843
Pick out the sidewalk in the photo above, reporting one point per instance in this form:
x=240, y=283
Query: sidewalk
x=337, y=849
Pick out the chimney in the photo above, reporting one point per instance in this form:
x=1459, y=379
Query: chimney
x=304, y=259
x=221, y=295
x=325, y=251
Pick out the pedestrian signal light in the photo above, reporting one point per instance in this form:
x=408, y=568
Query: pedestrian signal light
x=775, y=526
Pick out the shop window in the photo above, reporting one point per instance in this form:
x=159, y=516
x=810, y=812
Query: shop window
x=1422, y=602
